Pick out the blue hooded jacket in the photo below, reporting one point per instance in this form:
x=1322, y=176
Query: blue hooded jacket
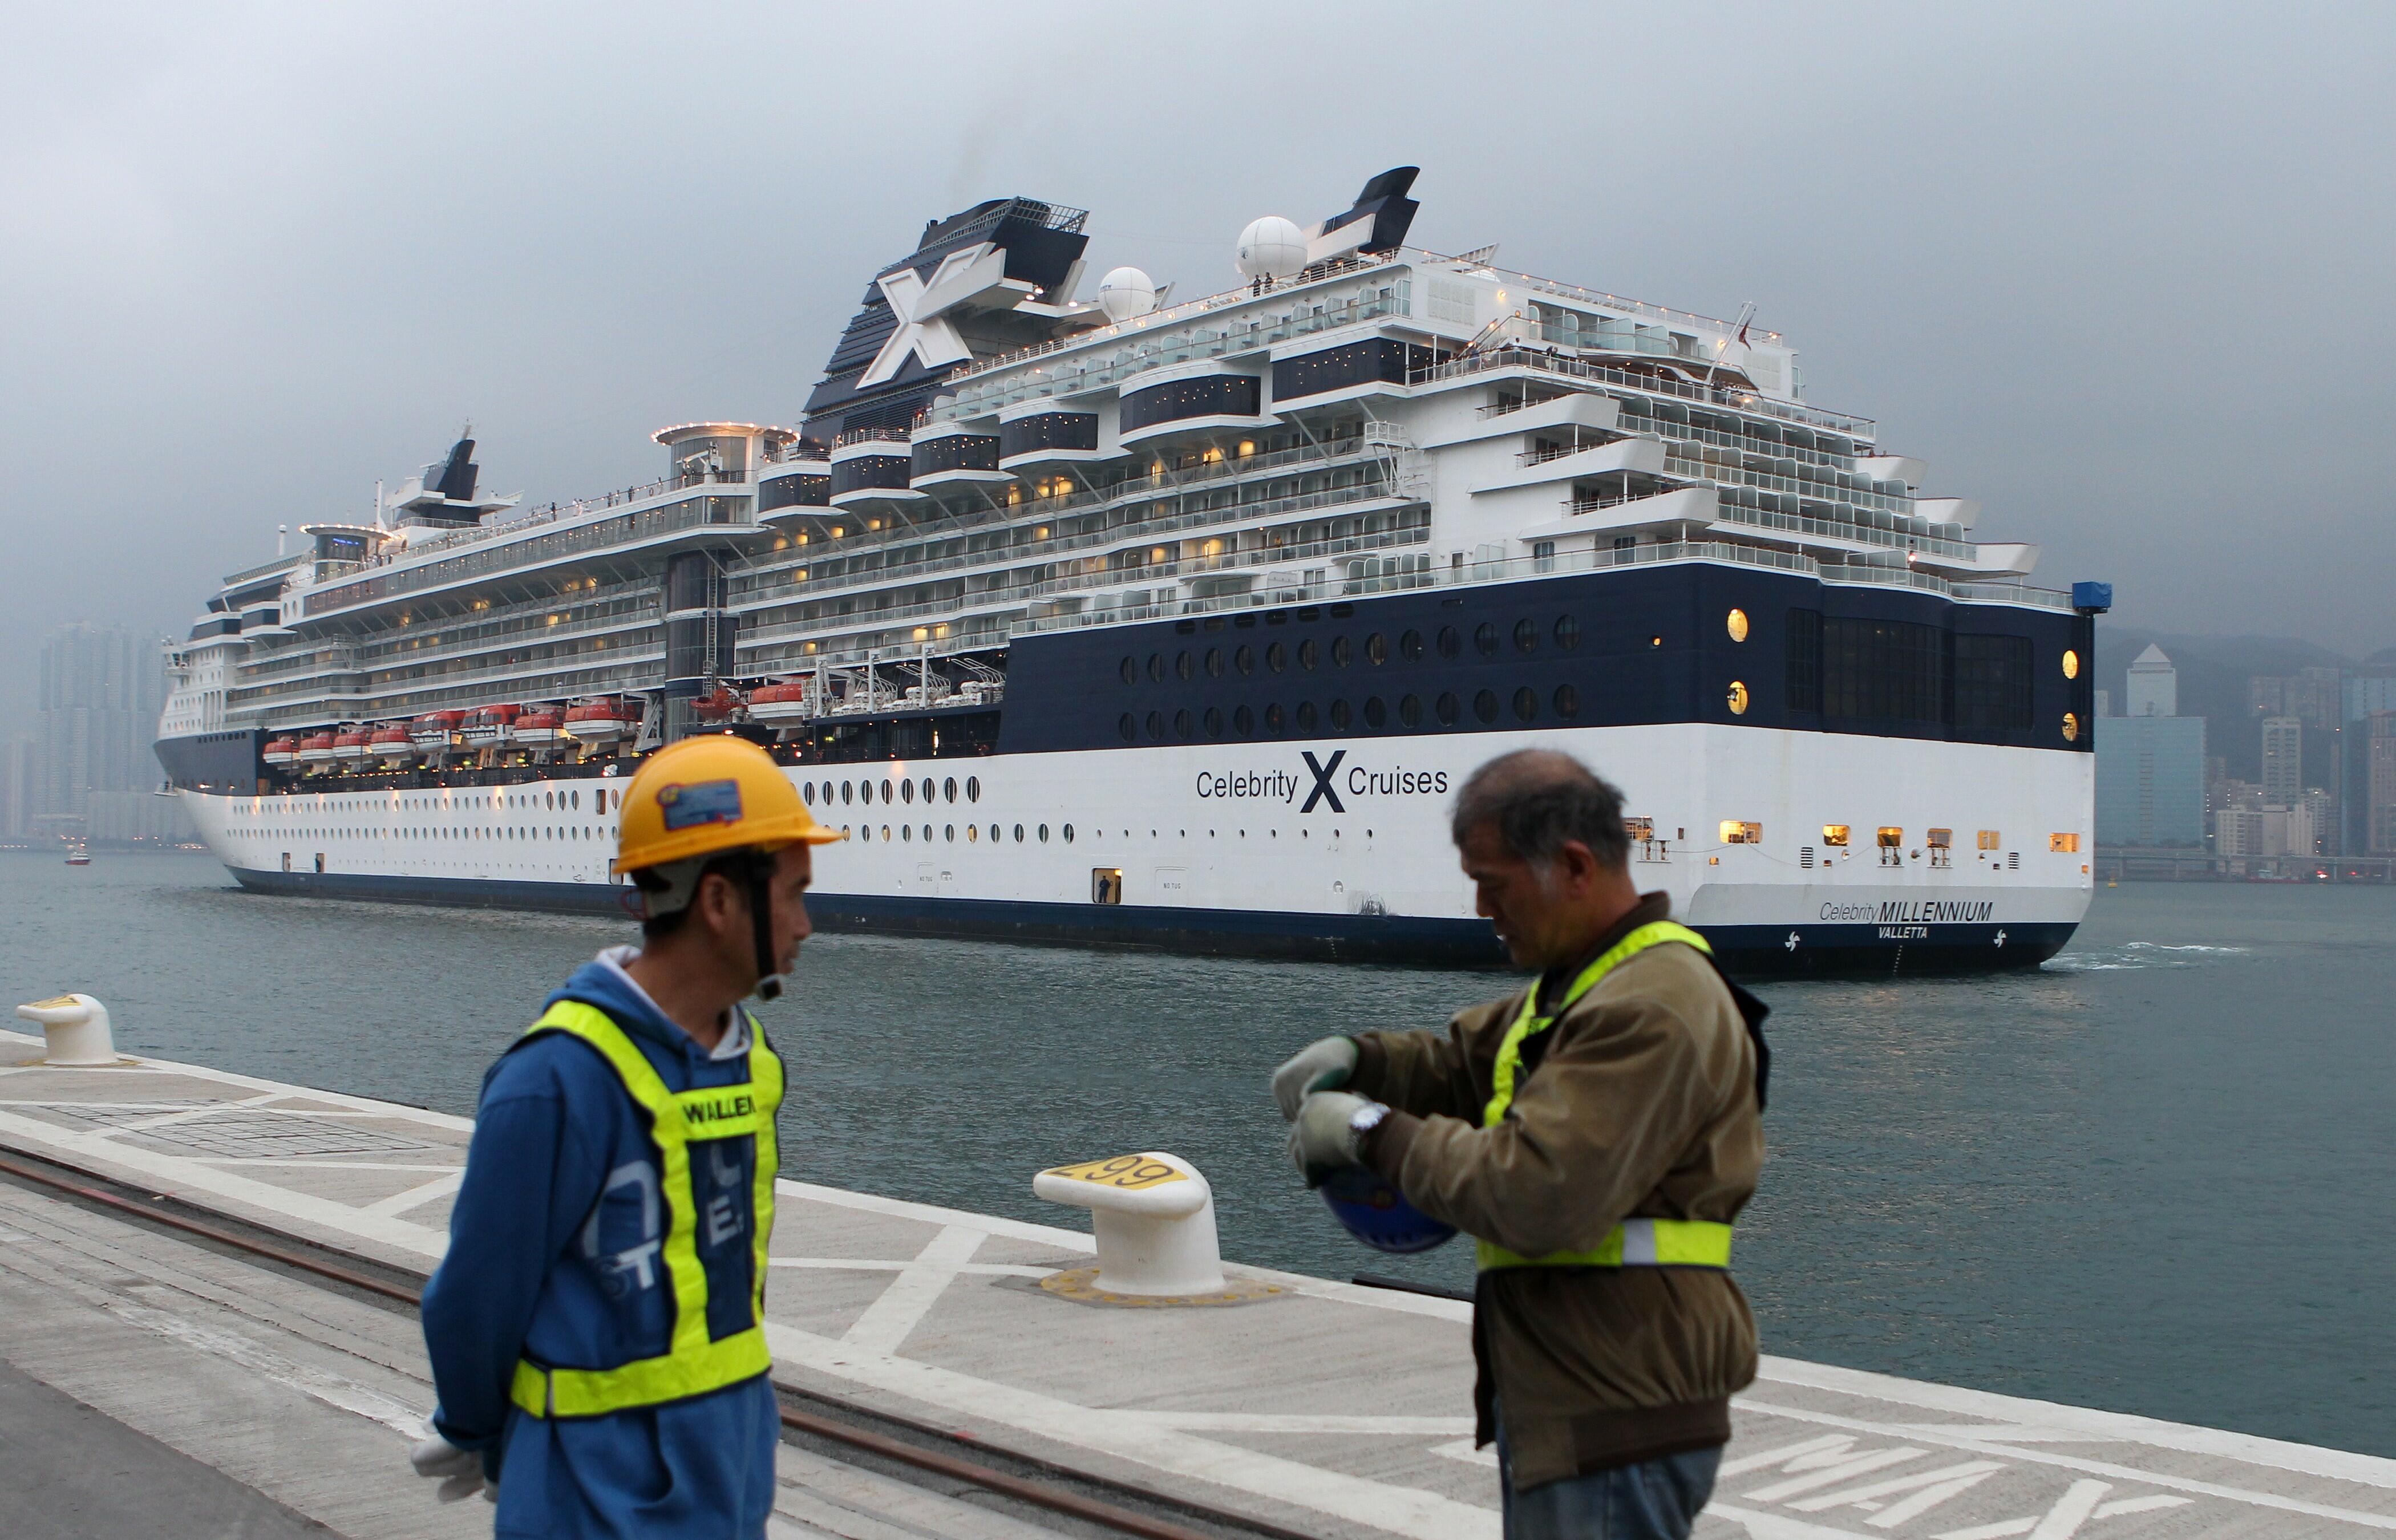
x=555, y=1253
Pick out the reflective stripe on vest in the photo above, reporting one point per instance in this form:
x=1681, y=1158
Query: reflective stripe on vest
x=1633, y=1242
x=695, y=1364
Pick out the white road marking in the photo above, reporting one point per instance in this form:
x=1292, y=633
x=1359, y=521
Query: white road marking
x=901, y=1308
x=317, y=1384
x=861, y=1263
x=1462, y=1450
x=1927, y=1489
x=418, y=1196
x=142, y=1125
x=1281, y=1422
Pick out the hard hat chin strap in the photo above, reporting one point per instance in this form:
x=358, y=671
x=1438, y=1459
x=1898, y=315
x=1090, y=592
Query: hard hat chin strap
x=761, y=921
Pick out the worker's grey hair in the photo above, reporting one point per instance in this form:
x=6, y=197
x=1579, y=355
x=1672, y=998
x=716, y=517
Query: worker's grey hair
x=1539, y=800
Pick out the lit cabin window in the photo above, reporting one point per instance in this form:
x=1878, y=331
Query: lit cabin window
x=1736, y=625
x=1942, y=839
x=1639, y=830
x=2063, y=844
x=1891, y=838
x=1834, y=834
x=1734, y=831
x=1989, y=839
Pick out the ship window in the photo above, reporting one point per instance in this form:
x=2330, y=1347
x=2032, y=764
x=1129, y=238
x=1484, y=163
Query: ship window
x=1306, y=717
x=1992, y=684
x=1734, y=831
x=1069, y=833
x=843, y=792
x=1941, y=839
x=865, y=833
x=1835, y=835
x=1106, y=884
x=1341, y=715
x=972, y=788
x=1989, y=840
x=1891, y=838
x=1526, y=636
x=1410, y=647
x=1527, y=703
x=1214, y=720
x=1043, y=834
x=1340, y=652
x=906, y=831
x=1567, y=633
x=1214, y=662
x=906, y=790
x=1019, y=833
x=1244, y=722
x=927, y=790
x=1130, y=671
x=1309, y=654
x=1156, y=667
x=1485, y=706
x=1804, y=692
x=1446, y=708
x=1156, y=726
x=1376, y=649
x=1375, y=712
x=1410, y=710
x=1274, y=719
x=1181, y=724
x=1449, y=643
x=2063, y=844
x=1567, y=702
x=1244, y=659
x=1484, y=639
x=1182, y=668
x=886, y=793
x=1889, y=669
x=949, y=832
x=886, y=833
x=973, y=833
x=1276, y=656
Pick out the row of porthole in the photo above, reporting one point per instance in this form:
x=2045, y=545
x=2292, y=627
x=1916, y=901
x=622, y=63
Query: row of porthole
x=1447, y=709
x=899, y=791
x=454, y=832
x=973, y=833
x=1309, y=654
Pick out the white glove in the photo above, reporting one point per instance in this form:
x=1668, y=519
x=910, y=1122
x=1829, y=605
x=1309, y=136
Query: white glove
x=460, y=1471
x=1318, y=1067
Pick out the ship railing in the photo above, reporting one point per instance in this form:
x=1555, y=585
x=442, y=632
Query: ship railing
x=1731, y=397
x=870, y=435
x=1799, y=524
x=764, y=568
x=1362, y=491
x=1697, y=469
x=266, y=569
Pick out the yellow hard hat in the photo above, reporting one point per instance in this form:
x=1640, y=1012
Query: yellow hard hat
x=709, y=794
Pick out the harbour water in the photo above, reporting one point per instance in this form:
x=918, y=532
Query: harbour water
x=2147, y=1177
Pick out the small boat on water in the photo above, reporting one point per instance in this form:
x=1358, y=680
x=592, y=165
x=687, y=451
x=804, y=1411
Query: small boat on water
x=78, y=856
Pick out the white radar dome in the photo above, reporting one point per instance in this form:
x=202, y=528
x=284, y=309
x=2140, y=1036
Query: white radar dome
x=1272, y=247
x=1126, y=292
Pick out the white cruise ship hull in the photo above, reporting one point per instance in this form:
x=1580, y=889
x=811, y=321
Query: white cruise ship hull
x=1216, y=849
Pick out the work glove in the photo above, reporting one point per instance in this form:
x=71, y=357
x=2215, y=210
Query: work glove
x=460, y=1471
x=1320, y=1066
x=1320, y=1140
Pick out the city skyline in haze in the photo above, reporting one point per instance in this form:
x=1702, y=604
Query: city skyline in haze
x=2101, y=271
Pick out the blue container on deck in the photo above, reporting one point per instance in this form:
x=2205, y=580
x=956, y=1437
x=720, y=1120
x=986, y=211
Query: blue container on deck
x=1378, y=1215
x=2092, y=598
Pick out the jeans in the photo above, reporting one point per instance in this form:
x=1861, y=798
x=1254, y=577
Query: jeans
x=1656, y=1499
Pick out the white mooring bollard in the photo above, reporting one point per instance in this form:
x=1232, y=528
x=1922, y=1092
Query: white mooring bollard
x=1154, y=1219
x=76, y=1027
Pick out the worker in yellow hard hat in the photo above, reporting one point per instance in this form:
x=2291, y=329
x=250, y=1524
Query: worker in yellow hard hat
x=597, y=1327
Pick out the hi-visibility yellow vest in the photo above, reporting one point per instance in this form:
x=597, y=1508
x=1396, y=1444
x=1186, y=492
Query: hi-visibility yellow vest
x=695, y=1364
x=1633, y=1242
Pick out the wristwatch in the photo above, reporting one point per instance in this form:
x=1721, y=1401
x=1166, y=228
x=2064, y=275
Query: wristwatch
x=1361, y=1122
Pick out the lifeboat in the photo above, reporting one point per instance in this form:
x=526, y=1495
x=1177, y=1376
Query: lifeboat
x=281, y=751
x=492, y=725
x=601, y=721
x=716, y=704
x=432, y=731
x=786, y=701
x=352, y=745
x=540, y=728
x=316, y=749
x=390, y=744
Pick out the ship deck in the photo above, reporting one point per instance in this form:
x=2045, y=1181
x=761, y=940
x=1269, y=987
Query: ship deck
x=150, y=1379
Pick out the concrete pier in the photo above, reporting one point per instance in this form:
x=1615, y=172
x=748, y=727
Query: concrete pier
x=1316, y=1406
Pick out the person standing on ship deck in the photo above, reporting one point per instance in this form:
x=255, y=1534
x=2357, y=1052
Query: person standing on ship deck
x=1597, y=1133
x=596, y=1329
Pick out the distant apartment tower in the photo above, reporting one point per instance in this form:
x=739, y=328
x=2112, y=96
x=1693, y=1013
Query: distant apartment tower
x=2283, y=760
x=2251, y=832
x=2381, y=799
x=99, y=691
x=2153, y=685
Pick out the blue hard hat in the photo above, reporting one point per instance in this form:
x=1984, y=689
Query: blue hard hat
x=1378, y=1215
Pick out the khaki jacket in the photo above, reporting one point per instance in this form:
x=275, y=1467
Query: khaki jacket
x=1641, y=1102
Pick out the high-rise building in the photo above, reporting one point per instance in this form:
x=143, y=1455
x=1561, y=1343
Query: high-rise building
x=2381, y=741
x=19, y=769
x=2269, y=831
x=2283, y=760
x=2150, y=781
x=98, y=701
x=2154, y=684
x=2104, y=703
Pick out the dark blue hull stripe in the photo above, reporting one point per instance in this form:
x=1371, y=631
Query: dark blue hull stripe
x=1748, y=950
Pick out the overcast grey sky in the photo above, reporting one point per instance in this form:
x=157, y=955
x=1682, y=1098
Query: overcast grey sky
x=2118, y=272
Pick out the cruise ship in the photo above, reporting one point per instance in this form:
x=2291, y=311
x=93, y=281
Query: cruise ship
x=1095, y=614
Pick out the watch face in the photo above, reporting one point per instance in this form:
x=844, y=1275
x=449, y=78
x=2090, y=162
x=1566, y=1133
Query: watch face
x=1366, y=1119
